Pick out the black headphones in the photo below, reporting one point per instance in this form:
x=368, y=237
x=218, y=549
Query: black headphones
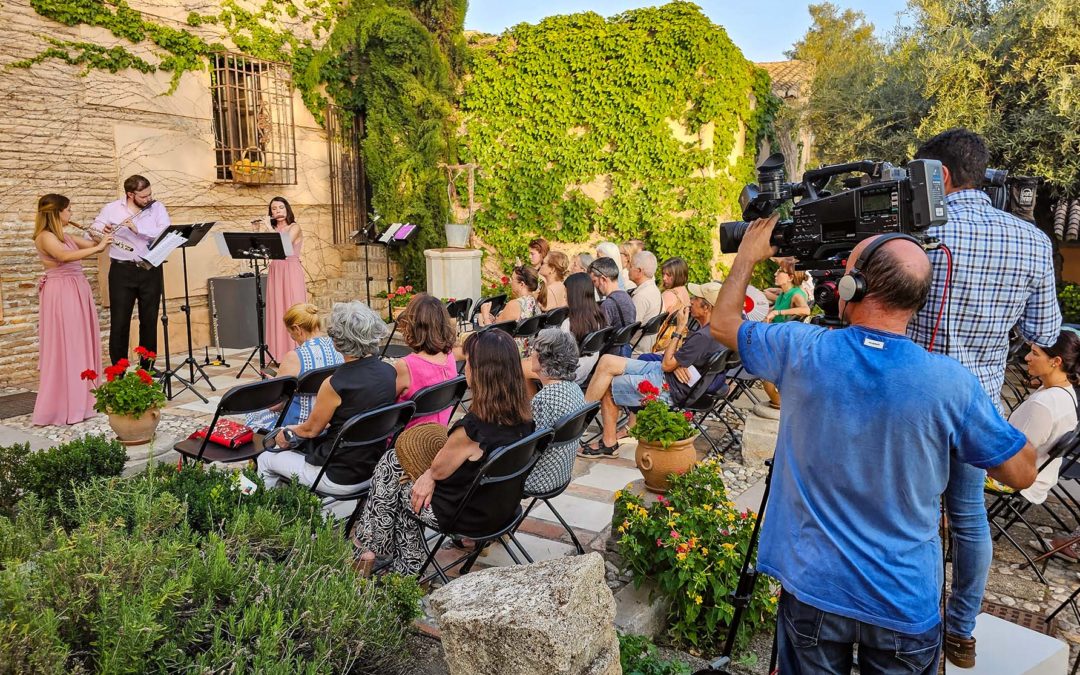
x=852, y=286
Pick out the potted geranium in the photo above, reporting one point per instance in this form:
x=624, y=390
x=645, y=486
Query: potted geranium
x=131, y=398
x=398, y=299
x=665, y=439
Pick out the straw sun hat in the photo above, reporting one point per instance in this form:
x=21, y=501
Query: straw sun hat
x=417, y=446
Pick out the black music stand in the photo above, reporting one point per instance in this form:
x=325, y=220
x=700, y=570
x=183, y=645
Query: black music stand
x=169, y=374
x=193, y=233
x=256, y=246
x=395, y=235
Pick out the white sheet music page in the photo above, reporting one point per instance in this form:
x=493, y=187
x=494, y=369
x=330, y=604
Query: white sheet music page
x=167, y=245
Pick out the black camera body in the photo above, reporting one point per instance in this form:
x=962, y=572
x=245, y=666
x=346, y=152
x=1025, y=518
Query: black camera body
x=824, y=225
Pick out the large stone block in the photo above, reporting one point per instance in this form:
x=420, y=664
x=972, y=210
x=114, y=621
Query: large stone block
x=552, y=617
x=759, y=439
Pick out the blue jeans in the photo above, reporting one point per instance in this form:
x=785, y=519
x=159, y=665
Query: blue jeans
x=813, y=642
x=972, y=549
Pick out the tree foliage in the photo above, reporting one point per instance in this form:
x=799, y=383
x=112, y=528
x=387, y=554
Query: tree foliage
x=577, y=100
x=1004, y=68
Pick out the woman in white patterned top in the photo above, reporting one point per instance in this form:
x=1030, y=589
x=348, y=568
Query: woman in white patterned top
x=554, y=358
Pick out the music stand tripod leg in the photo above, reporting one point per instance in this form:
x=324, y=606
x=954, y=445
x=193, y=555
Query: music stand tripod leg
x=190, y=362
x=260, y=312
x=170, y=373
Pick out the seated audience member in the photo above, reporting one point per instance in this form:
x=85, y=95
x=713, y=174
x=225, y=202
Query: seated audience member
x=579, y=264
x=554, y=358
x=617, y=304
x=430, y=332
x=361, y=383
x=498, y=416
x=674, y=274
x=553, y=271
x=626, y=257
x=523, y=285
x=606, y=249
x=647, y=300
x=538, y=252
x=789, y=299
x=313, y=350
x=616, y=380
x=585, y=317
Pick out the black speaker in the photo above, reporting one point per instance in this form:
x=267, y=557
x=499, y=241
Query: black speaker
x=233, y=320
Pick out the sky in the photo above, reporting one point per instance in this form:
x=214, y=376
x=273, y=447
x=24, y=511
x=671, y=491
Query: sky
x=762, y=29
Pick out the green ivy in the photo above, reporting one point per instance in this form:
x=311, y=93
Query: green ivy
x=553, y=106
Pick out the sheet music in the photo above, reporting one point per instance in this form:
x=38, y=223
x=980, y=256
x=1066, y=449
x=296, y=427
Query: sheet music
x=388, y=236
x=166, y=245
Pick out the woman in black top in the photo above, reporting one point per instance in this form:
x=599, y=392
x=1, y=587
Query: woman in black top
x=499, y=416
x=360, y=384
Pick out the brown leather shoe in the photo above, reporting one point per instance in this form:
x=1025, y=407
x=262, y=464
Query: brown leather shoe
x=960, y=651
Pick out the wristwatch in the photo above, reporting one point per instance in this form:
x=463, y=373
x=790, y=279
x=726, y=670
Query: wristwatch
x=678, y=336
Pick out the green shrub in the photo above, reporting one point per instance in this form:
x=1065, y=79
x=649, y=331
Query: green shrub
x=132, y=586
x=12, y=459
x=52, y=474
x=1069, y=299
x=639, y=656
x=692, y=544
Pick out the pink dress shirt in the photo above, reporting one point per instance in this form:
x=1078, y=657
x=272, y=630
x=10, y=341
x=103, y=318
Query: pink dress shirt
x=150, y=223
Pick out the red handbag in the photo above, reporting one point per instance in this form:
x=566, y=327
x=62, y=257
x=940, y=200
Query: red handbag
x=227, y=433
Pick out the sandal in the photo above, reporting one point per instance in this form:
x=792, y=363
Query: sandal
x=600, y=451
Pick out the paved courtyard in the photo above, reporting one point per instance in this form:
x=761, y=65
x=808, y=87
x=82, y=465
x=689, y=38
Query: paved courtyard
x=587, y=504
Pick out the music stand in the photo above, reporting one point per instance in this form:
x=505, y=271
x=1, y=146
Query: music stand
x=193, y=233
x=169, y=374
x=256, y=246
x=397, y=234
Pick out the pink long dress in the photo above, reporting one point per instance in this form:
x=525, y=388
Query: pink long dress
x=69, y=342
x=284, y=288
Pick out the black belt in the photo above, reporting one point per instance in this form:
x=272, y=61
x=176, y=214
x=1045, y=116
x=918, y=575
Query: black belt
x=132, y=263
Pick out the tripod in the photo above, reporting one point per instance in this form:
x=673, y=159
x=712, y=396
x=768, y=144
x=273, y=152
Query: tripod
x=170, y=374
x=193, y=234
x=260, y=312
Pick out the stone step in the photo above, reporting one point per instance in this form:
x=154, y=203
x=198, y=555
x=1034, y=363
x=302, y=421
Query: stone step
x=1005, y=648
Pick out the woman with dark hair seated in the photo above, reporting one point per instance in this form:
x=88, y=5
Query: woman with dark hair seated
x=430, y=332
x=585, y=317
x=360, y=384
x=554, y=359
x=523, y=285
x=498, y=416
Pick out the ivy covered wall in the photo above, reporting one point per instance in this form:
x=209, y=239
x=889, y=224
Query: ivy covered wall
x=626, y=127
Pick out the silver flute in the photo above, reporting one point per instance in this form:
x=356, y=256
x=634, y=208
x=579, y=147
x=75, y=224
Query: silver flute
x=98, y=234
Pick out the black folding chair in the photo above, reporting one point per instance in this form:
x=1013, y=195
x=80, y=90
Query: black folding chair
x=375, y=428
x=705, y=397
x=567, y=429
x=436, y=398
x=246, y=398
x=500, y=480
x=496, y=302
x=591, y=344
x=308, y=383
x=650, y=327
x=459, y=311
x=616, y=340
x=527, y=328
x=553, y=318
x=508, y=327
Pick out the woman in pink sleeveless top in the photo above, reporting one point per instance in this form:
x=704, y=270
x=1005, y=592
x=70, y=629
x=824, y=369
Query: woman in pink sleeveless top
x=69, y=339
x=284, y=280
x=430, y=332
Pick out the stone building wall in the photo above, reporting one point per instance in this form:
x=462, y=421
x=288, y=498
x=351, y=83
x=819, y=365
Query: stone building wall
x=80, y=134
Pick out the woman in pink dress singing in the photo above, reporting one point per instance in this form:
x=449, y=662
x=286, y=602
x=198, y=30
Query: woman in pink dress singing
x=69, y=336
x=284, y=280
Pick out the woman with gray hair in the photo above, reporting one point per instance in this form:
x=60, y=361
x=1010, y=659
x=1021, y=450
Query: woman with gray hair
x=363, y=382
x=554, y=359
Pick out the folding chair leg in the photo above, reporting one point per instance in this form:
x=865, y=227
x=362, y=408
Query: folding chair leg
x=1023, y=552
x=431, y=561
x=573, y=537
x=510, y=551
x=521, y=548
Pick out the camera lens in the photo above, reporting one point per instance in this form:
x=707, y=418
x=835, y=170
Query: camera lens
x=771, y=182
x=731, y=235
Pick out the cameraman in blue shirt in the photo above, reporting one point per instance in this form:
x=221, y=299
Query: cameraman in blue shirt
x=869, y=422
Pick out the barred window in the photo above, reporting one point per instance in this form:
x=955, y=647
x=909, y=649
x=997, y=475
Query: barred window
x=348, y=186
x=254, y=136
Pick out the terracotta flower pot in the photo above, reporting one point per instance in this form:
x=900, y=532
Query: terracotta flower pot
x=131, y=430
x=656, y=462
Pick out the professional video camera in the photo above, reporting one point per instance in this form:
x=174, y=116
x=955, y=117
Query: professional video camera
x=825, y=227
x=1014, y=194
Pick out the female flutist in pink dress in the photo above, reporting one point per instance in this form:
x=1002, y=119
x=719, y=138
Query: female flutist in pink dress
x=69, y=337
x=285, y=280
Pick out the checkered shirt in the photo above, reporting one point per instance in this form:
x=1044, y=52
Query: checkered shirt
x=1003, y=276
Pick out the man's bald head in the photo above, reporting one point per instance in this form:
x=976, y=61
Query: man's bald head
x=898, y=275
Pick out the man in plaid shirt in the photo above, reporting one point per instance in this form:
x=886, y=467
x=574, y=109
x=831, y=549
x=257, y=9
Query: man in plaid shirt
x=1002, y=276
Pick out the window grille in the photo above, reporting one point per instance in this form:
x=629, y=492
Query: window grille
x=254, y=136
x=348, y=187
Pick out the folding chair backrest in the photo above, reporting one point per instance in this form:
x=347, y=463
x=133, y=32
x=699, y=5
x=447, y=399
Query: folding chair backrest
x=308, y=383
x=508, y=327
x=459, y=309
x=496, y=302
x=372, y=427
x=594, y=341
x=502, y=477
x=527, y=328
x=571, y=426
x=652, y=326
x=261, y=395
x=622, y=336
x=436, y=398
x=554, y=318
x=717, y=365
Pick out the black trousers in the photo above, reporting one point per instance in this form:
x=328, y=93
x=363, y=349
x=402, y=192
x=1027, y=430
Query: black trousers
x=129, y=283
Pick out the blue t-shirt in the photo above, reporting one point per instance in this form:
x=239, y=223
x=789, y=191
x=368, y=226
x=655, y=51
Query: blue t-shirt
x=862, y=458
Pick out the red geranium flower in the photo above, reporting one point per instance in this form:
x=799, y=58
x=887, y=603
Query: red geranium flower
x=408, y=289
x=112, y=372
x=150, y=356
x=144, y=376
x=647, y=388
x=401, y=290
x=688, y=415
x=88, y=374
x=505, y=279
x=122, y=364
x=141, y=351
